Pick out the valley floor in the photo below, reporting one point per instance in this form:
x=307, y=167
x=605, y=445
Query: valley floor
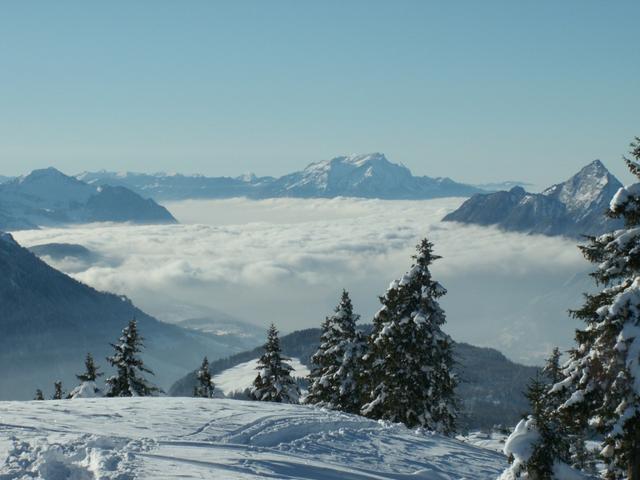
x=168, y=438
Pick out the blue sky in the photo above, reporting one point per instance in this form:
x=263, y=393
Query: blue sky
x=477, y=91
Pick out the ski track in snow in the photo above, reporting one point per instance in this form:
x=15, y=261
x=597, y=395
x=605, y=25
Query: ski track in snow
x=167, y=438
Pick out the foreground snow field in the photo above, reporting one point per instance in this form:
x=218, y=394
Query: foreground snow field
x=163, y=438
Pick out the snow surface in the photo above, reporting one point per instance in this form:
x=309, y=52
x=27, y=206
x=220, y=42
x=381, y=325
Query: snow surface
x=242, y=375
x=167, y=438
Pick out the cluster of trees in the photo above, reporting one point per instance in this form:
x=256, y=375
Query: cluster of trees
x=596, y=393
x=401, y=373
x=129, y=379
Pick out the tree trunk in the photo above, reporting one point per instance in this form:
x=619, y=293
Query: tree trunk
x=633, y=468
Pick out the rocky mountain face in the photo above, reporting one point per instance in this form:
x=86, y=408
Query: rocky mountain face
x=49, y=198
x=367, y=176
x=572, y=208
x=49, y=322
x=491, y=387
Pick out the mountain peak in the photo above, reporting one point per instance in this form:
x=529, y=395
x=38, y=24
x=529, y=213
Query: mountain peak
x=40, y=173
x=587, y=187
x=594, y=168
x=360, y=159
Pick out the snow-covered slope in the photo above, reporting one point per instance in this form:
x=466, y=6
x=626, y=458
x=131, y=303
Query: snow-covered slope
x=48, y=197
x=370, y=176
x=169, y=438
x=572, y=208
x=241, y=376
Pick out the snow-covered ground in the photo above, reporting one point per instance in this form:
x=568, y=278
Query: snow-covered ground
x=489, y=440
x=168, y=438
x=242, y=375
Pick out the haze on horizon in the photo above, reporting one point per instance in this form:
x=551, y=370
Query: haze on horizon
x=478, y=92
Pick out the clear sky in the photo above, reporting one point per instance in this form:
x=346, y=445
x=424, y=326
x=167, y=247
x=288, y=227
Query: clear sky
x=474, y=90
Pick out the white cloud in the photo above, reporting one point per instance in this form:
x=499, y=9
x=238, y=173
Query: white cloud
x=286, y=260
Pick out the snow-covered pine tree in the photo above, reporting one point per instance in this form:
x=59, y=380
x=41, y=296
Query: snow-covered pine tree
x=205, y=387
x=274, y=382
x=410, y=358
x=538, y=447
x=337, y=366
x=58, y=394
x=574, y=439
x=39, y=395
x=129, y=380
x=603, y=372
x=87, y=387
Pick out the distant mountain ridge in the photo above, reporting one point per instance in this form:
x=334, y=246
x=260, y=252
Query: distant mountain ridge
x=366, y=176
x=572, y=208
x=49, y=321
x=47, y=197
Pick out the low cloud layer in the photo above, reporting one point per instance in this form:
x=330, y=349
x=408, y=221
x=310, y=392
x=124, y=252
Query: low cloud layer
x=286, y=261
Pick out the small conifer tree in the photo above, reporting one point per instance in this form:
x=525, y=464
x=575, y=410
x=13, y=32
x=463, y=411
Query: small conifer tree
x=552, y=368
x=91, y=372
x=57, y=391
x=39, y=395
x=205, y=387
x=274, y=382
x=87, y=387
x=129, y=380
x=335, y=378
x=539, y=445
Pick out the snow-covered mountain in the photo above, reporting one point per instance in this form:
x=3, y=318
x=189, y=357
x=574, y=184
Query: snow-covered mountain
x=189, y=438
x=163, y=186
x=49, y=322
x=491, y=386
x=572, y=208
x=48, y=197
x=368, y=176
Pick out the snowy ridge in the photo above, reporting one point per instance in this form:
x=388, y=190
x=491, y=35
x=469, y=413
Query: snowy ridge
x=47, y=197
x=572, y=208
x=168, y=438
x=369, y=175
x=583, y=190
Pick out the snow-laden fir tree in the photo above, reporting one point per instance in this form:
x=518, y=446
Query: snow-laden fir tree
x=58, y=394
x=88, y=387
x=603, y=372
x=410, y=358
x=335, y=378
x=129, y=380
x=274, y=382
x=538, y=448
x=205, y=386
x=39, y=395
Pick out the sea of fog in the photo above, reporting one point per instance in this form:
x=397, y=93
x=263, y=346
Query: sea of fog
x=287, y=260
